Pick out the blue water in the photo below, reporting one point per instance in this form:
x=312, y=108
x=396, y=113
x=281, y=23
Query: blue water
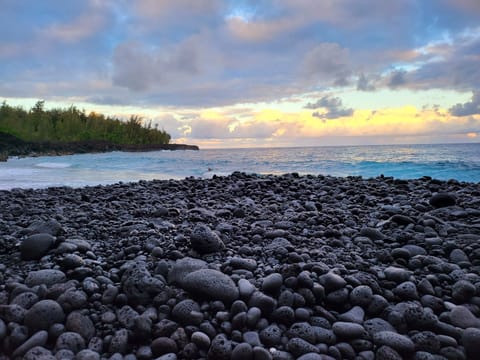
x=453, y=161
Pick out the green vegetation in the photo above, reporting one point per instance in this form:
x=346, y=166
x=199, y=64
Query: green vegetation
x=72, y=124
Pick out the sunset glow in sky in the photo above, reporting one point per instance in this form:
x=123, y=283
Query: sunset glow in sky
x=236, y=73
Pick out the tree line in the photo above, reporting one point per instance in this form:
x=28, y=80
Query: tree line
x=71, y=125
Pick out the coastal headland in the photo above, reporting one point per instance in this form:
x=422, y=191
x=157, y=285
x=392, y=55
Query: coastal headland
x=13, y=146
x=242, y=267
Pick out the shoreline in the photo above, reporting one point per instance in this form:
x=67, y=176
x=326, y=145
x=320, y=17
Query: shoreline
x=13, y=146
x=279, y=266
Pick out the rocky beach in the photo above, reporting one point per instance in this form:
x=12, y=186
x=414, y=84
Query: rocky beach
x=242, y=267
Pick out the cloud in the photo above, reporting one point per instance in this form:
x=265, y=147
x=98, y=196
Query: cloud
x=397, y=78
x=333, y=106
x=364, y=83
x=84, y=26
x=141, y=68
x=469, y=108
x=327, y=64
x=176, y=10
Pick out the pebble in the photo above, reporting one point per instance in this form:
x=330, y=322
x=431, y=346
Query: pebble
x=182, y=312
x=406, y=291
x=442, y=200
x=462, y=291
x=138, y=284
x=242, y=351
x=47, y=277
x=263, y=302
x=38, y=339
x=34, y=247
x=271, y=335
x=332, y=281
x=221, y=348
x=309, y=267
x=70, y=341
x=298, y=347
x=163, y=345
x=361, y=295
x=471, y=342
x=462, y=317
x=81, y=324
x=348, y=330
x=272, y=283
x=200, y=339
x=245, y=288
x=398, y=342
x=211, y=284
x=44, y=314
x=302, y=330
x=204, y=240
x=183, y=267
x=355, y=315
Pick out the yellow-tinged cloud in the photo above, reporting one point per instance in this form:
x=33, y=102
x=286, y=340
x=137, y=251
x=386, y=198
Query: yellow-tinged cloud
x=402, y=121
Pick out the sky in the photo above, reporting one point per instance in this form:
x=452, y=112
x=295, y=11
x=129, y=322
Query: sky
x=244, y=73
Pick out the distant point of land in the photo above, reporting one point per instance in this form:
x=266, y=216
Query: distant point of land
x=38, y=132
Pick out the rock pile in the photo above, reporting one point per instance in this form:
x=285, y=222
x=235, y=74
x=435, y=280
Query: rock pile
x=242, y=267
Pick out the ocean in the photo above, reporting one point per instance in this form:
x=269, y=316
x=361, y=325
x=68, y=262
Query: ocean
x=452, y=161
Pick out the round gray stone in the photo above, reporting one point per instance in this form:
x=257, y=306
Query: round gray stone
x=211, y=284
x=44, y=314
x=47, y=277
x=70, y=341
x=471, y=342
x=183, y=267
x=36, y=246
x=398, y=342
